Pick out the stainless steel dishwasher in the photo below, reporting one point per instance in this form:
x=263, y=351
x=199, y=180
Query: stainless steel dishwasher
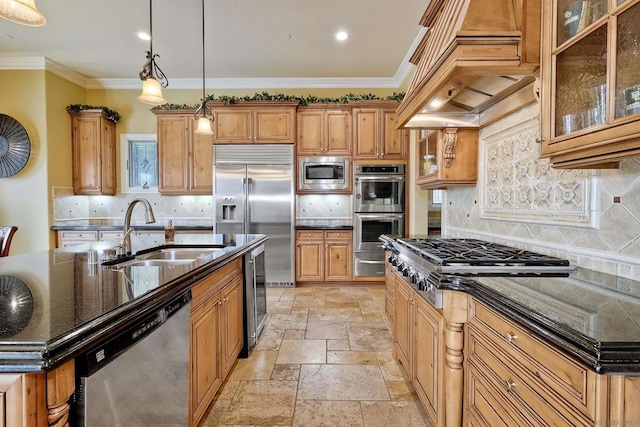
x=140, y=376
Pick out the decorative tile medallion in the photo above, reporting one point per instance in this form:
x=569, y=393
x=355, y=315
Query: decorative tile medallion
x=519, y=186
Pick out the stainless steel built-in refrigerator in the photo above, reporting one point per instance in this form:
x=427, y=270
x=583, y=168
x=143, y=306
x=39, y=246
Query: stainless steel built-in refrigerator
x=254, y=194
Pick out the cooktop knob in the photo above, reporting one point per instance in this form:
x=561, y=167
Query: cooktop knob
x=422, y=284
x=413, y=278
x=405, y=271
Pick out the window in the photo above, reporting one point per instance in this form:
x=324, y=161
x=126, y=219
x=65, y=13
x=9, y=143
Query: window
x=436, y=197
x=138, y=163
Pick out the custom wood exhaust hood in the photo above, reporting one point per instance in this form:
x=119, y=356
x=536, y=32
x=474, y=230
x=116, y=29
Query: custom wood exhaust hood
x=474, y=54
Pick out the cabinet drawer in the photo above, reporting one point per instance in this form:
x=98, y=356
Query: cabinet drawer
x=110, y=235
x=550, y=371
x=506, y=377
x=486, y=405
x=309, y=235
x=79, y=235
x=213, y=283
x=338, y=235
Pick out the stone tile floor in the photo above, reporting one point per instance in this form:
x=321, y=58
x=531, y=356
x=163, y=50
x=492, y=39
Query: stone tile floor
x=324, y=359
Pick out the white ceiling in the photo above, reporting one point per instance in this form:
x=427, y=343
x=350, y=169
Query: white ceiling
x=249, y=43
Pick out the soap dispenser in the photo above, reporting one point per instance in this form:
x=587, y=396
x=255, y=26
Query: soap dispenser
x=169, y=233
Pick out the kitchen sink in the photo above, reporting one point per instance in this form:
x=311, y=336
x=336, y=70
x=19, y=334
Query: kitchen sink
x=190, y=254
x=165, y=257
x=154, y=262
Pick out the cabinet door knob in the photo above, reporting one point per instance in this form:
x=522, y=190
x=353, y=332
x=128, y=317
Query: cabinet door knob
x=510, y=385
x=539, y=139
x=510, y=337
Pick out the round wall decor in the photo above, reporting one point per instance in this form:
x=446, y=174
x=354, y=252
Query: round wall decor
x=16, y=305
x=15, y=146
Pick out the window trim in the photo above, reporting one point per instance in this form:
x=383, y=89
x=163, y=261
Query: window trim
x=125, y=139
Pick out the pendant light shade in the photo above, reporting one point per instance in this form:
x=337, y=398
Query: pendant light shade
x=204, y=126
x=151, y=92
x=203, y=113
x=22, y=12
x=153, y=79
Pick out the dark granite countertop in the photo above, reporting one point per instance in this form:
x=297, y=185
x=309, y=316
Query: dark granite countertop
x=592, y=316
x=55, y=304
x=324, y=224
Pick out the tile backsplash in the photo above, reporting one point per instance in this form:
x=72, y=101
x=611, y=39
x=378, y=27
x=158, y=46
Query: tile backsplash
x=592, y=219
x=319, y=206
x=69, y=207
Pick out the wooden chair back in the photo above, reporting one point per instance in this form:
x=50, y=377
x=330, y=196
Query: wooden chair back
x=6, y=234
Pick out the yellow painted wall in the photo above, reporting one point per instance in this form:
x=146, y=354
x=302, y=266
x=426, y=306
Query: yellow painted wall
x=24, y=195
x=37, y=100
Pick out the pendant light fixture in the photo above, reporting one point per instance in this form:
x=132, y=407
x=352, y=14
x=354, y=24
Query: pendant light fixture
x=203, y=113
x=153, y=79
x=22, y=12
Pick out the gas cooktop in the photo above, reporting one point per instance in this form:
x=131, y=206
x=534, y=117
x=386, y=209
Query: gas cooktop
x=428, y=263
x=472, y=256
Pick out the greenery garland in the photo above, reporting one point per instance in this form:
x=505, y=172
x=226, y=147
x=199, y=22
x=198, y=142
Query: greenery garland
x=265, y=96
x=112, y=115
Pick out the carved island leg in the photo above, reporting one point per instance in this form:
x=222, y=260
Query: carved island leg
x=60, y=386
x=455, y=315
x=453, y=374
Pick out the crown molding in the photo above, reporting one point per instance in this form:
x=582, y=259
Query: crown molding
x=42, y=63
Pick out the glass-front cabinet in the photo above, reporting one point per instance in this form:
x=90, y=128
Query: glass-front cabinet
x=590, y=101
x=447, y=158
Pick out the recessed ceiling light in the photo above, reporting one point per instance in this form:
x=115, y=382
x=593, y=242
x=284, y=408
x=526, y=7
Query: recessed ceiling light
x=144, y=36
x=342, y=35
x=436, y=103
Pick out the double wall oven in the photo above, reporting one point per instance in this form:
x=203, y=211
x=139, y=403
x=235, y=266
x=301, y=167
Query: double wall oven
x=379, y=203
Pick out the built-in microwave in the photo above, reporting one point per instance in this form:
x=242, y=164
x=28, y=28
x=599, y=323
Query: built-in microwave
x=324, y=174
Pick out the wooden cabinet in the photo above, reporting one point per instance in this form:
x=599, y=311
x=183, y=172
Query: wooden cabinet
x=37, y=399
x=185, y=158
x=254, y=122
x=375, y=136
x=527, y=376
x=323, y=131
x=93, y=142
x=448, y=158
x=418, y=332
x=324, y=255
x=11, y=400
x=590, y=106
x=216, y=335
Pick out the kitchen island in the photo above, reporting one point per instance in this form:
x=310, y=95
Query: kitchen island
x=523, y=349
x=59, y=304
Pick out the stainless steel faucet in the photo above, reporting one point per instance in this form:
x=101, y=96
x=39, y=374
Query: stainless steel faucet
x=149, y=218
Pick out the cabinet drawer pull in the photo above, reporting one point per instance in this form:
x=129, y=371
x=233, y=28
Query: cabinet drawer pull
x=510, y=385
x=510, y=337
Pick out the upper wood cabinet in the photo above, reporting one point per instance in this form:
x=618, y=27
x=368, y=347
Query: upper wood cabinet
x=590, y=109
x=323, y=131
x=448, y=158
x=93, y=141
x=375, y=134
x=185, y=158
x=254, y=122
